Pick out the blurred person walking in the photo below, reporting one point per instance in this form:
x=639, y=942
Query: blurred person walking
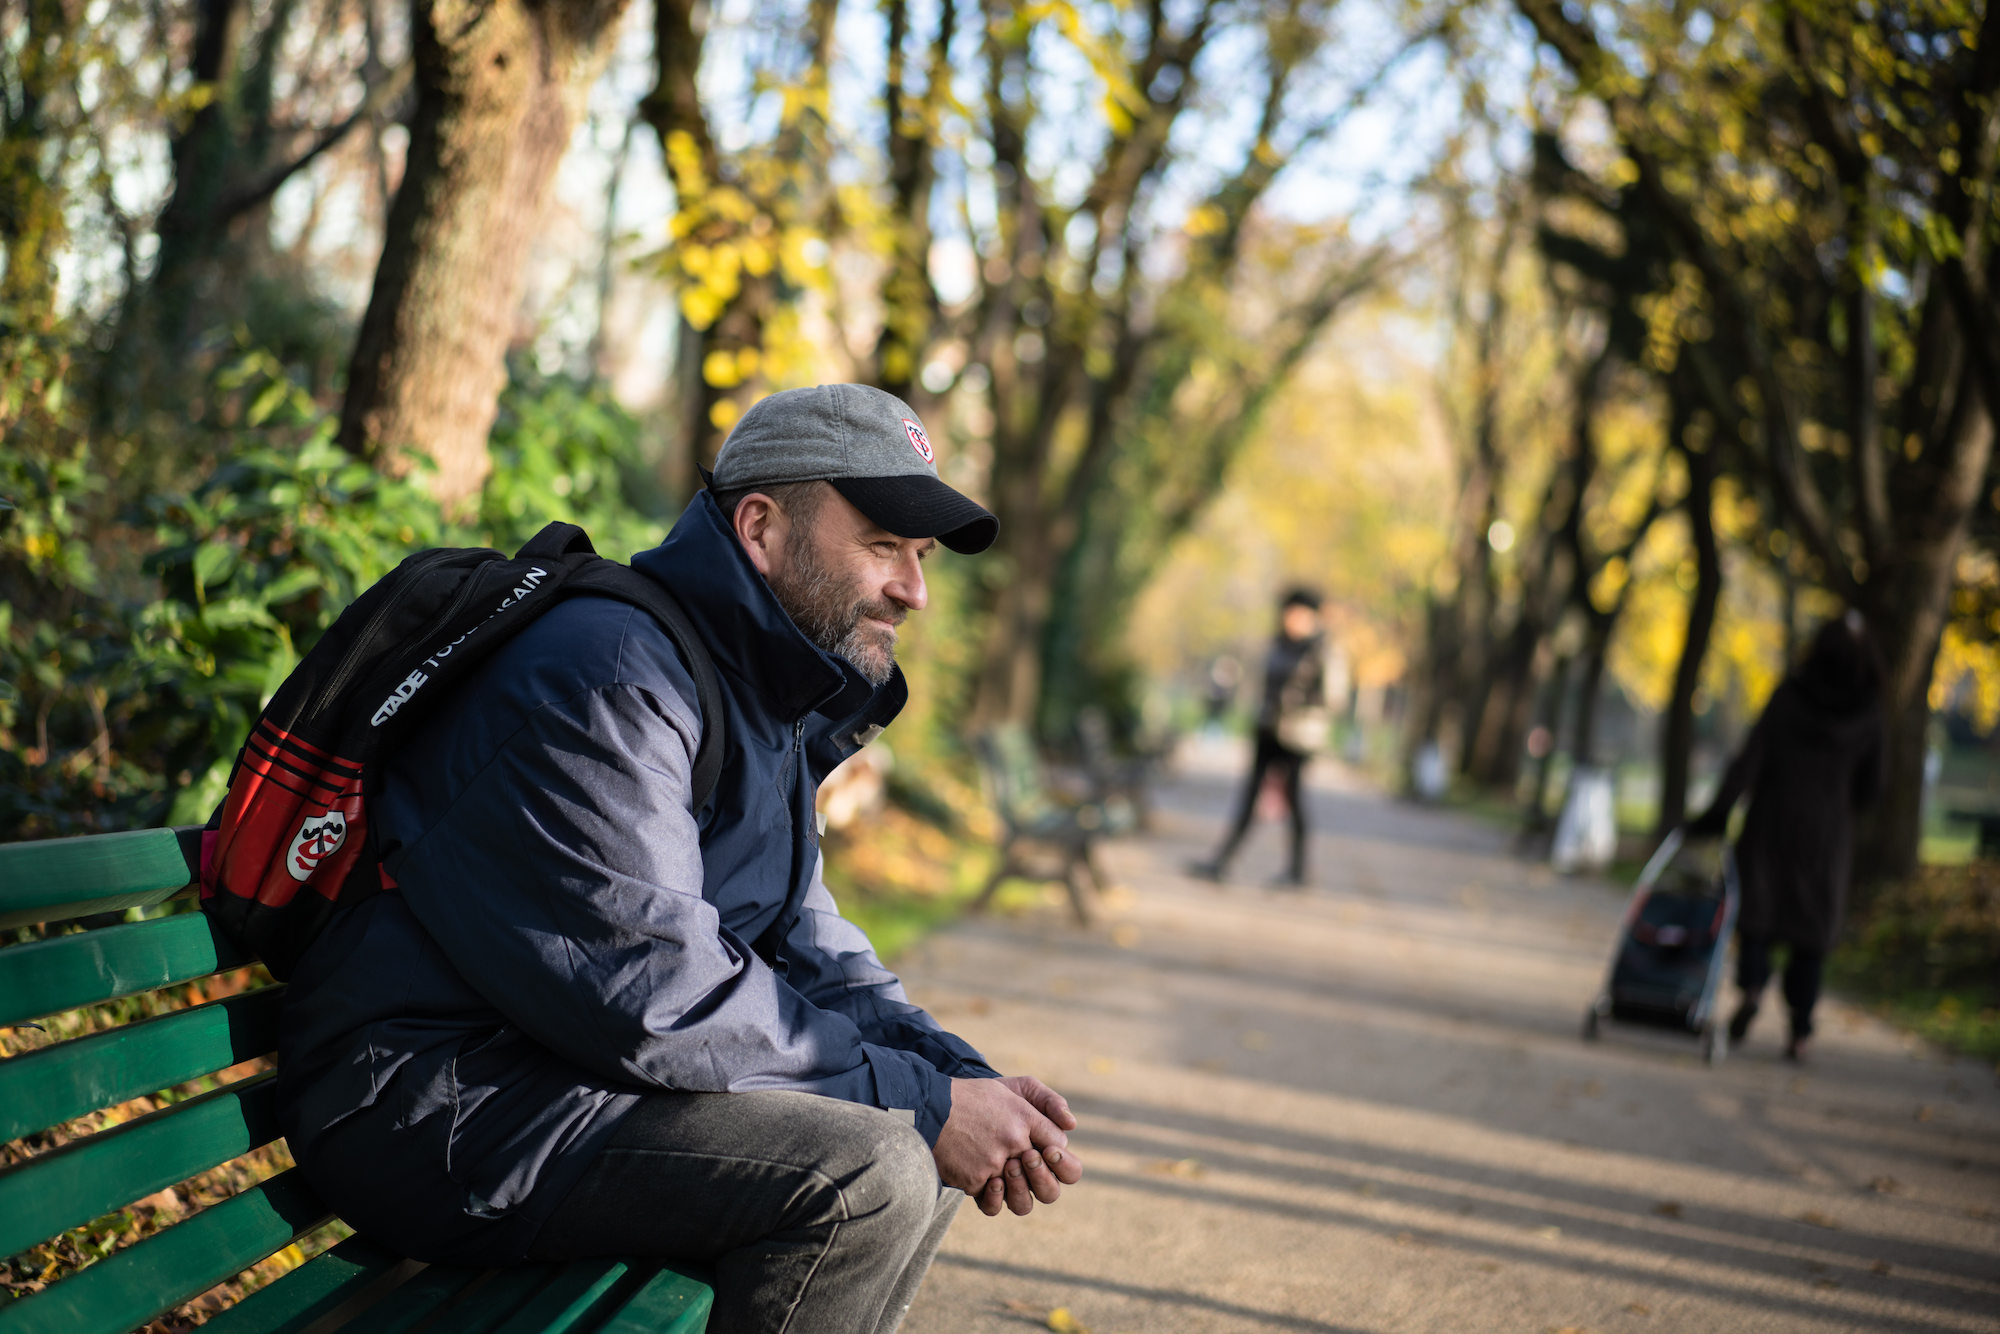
x=1292, y=723
x=1814, y=759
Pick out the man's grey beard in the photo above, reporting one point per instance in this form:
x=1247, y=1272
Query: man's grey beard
x=826, y=610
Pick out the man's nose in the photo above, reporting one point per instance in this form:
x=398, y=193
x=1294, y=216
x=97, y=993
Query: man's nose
x=907, y=584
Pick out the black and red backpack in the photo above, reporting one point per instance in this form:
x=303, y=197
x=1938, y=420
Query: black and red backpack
x=291, y=840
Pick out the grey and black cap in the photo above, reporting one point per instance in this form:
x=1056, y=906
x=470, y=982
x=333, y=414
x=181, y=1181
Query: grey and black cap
x=869, y=446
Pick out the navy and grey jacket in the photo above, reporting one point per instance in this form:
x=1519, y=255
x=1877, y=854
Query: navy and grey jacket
x=567, y=935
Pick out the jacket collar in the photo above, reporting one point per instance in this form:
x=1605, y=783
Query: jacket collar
x=750, y=634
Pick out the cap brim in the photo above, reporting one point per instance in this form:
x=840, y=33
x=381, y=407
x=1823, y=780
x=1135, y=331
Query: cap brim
x=919, y=505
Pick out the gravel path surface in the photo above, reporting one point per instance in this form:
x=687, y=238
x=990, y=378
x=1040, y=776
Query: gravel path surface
x=1366, y=1108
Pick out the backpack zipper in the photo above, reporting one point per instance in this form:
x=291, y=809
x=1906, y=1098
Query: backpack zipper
x=338, y=680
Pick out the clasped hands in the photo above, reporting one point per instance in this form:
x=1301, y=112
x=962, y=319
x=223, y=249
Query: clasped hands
x=1005, y=1142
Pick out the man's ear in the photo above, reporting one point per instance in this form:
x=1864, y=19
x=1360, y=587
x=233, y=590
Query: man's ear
x=761, y=526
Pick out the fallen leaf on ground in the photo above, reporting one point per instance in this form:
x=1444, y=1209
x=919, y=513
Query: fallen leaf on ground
x=1177, y=1167
x=1886, y=1185
x=1551, y=1232
x=1125, y=937
x=1880, y=1267
x=1019, y=1307
x=1925, y=1113
x=1638, y=1308
x=1668, y=1208
x=1826, y=1283
x=1209, y=1067
x=1255, y=1040
x=1368, y=1188
x=1410, y=1239
x=1817, y=1219
x=1102, y=1065
x=980, y=1005
x=1061, y=1321
x=1488, y=1267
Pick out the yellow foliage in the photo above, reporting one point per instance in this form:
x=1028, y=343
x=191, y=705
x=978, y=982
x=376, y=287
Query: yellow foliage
x=1206, y=221
x=719, y=369
x=1341, y=488
x=702, y=306
x=1971, y=665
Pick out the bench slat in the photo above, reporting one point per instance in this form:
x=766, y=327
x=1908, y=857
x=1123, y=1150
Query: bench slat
x=89, y=1177
x=672, y=1303
x=315, y=1292
x=60, y=878
x=126, y=1290
x=414, y=1302
x=578, y=1290
x=45, y=1088
x=482, y=1309
x=49, y=976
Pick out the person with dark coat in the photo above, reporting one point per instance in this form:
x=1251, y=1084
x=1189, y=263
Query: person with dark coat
x=1291, y=724
x=1813, y=760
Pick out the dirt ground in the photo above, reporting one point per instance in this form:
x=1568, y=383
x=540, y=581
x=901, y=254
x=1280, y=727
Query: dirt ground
x=1366, y=1107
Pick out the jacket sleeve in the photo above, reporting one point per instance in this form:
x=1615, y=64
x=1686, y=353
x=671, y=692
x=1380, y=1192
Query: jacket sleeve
x=1739, y=778
x=830, y=960
x=565, y=884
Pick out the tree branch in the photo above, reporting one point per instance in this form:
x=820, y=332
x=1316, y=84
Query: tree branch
x=266, y=183
x=1794, y=483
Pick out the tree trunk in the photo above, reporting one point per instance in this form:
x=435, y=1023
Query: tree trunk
x=203, y=165
x=1494, y=757
x=910, y=306
x=1596, y=647
x=1677, y=727
x=499, y=87
x=31, y=213
x=1008, y=686
x=1907, y=608
x=1539, y=820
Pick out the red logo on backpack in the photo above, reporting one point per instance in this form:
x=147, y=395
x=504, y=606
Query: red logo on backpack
x=319, y=837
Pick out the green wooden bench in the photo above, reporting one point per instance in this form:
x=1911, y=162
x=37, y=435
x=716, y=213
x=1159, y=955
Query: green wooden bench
x=356, y=1285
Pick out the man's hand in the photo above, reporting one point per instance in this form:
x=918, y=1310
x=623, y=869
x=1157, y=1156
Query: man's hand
x=1004, y=1143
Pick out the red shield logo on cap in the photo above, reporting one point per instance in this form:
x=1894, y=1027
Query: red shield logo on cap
x=919, y=441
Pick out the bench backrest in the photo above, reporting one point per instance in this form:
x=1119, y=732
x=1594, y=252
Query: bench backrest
x=94, y=1175
x=1012, y=769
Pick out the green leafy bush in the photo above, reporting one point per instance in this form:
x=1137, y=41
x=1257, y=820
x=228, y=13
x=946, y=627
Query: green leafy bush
x=138, y=640
x=1928, y=951
x=565, y=451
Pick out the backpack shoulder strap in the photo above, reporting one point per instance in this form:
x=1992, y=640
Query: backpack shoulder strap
x=607, y=578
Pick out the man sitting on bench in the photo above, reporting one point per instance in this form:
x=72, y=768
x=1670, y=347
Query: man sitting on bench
x=590, y=1020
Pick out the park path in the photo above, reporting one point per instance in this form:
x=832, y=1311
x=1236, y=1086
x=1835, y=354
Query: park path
x=1366, y=1108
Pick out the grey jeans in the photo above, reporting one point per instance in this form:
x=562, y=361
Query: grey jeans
x=819, y=1216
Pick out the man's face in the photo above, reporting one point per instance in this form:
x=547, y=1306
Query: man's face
x=846, y=582
x=1300, y=621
